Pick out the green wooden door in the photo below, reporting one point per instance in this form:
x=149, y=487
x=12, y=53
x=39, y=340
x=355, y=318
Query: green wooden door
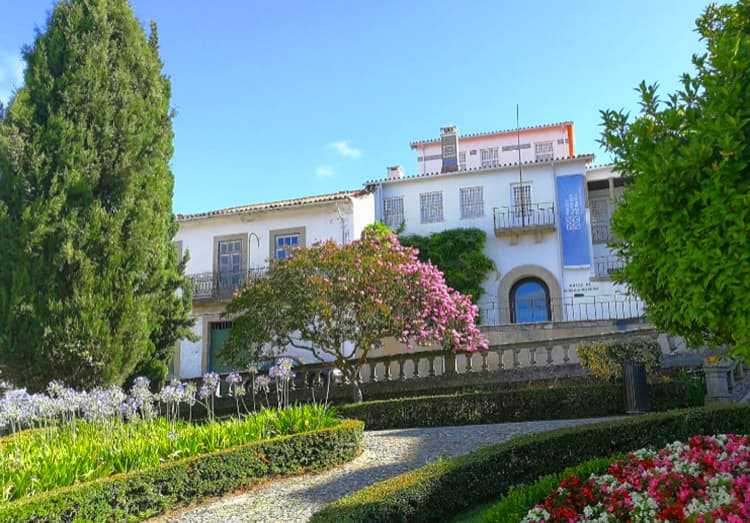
x=219, y=333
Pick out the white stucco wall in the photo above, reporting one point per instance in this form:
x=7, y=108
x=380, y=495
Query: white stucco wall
x=191, y=354
x=558, y=135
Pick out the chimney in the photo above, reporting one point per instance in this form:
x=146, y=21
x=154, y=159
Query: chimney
x=449, y=148
x=395, y=173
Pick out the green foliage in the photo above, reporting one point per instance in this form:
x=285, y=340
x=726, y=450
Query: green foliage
x=520, y=499
x=44, y=459
x=518, y=405
x=683, y=226
x=340, y=301
x=139, y=495
x=430, y=493
x=90, y=285
x=605, y=359
x=459, y=254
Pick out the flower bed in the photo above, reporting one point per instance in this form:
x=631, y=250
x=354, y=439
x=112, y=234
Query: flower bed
x=145, y=493
x=704, y=479
x=429, y=493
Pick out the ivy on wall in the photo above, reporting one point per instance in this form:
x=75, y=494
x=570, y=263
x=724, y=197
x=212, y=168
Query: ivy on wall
x=459, y=254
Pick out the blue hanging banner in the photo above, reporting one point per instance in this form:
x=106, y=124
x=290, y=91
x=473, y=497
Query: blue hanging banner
x=575, y=235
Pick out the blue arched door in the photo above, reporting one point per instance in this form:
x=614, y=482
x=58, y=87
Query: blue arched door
x=529, y=301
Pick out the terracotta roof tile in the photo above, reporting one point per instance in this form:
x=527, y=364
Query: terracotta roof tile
x=257, y=207
x=585, y=157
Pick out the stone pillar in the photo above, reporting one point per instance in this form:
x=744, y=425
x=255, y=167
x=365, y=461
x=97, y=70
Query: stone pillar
x=717, y=382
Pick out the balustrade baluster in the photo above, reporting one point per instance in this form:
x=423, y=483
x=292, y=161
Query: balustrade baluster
x=501, y=358
x=485, y=368
x=401, y=373
x=416, y=368
x=549, y=354
x=532, y=356
x=388, y=376
x=516, y=360
x=468, y=356
x=566, y=353
x=431, y=372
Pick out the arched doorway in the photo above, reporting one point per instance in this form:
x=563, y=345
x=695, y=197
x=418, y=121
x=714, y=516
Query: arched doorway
x=530, y=301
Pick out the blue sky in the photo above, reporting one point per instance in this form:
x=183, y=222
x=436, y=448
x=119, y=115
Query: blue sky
x=285, y=99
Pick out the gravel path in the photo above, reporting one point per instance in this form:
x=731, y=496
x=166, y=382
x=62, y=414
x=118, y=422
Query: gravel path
x=387, y=453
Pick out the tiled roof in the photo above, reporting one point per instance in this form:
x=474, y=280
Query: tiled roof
x=585, y=157
x=413, y=145
x=256, y=207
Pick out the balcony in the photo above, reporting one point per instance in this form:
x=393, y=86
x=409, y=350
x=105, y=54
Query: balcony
x=604, y=266
x=601, y=233
x=533, y=218
x=220, y=286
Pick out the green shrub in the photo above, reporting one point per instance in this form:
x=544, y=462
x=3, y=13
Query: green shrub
x=604, y=359
x=589, y=401
x=143, y=494
x=522, y=498
x=441, y=489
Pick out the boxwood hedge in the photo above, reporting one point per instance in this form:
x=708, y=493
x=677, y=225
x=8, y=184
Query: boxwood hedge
x=448, y=487
x=589, y=401
x=142, y=494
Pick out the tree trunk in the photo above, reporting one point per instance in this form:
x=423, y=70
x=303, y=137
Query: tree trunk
x=356, y=392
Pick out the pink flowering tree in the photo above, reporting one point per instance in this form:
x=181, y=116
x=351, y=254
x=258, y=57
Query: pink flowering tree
x=340, y=302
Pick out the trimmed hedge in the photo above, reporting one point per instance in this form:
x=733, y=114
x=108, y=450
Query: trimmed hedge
x=146, y=493
x=441, y=489
x=591, y=401
x=519, y=500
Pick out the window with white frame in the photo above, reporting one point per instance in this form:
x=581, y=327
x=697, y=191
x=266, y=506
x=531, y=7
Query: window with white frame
x=489, y=157
x=521, y=200
x=543, y=151
x=393, y=212
x=431, y=207
x=462, y=161
x=472, y=202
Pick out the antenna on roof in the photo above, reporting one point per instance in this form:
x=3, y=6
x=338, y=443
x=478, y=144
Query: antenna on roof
x=520, y=169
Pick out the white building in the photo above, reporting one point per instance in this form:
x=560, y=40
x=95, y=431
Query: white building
x=546, y=218
x=227, y=246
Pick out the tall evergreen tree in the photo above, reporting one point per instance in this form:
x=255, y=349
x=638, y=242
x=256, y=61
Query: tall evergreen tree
x=91, y=288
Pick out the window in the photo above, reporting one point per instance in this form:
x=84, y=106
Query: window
x=283, y=241
x=529, y=301
x=284, y=244
x=230, y=264
x=472, y=202
x=393, y=212
x=431, y=207
x=462, y=161
x=600, y=217
x=521, y=202
x=489, y=157
x=543, y=151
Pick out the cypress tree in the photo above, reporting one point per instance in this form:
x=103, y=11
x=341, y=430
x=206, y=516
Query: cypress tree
x=91, y=288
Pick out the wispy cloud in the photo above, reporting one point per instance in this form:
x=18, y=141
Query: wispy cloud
x=324, y=171
x=344, y=149
x=11, y=74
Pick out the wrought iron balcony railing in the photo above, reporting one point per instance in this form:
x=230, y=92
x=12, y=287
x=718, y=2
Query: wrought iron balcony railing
x=528, y=216
x=601, y=233
x=604, y=266
x=221, y=285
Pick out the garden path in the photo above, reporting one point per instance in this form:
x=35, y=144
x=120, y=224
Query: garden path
x=387, y=453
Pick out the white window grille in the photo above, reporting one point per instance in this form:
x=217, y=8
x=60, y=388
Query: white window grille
x=393, y=212
x=489, y=157
x=431, y=207
x=462, y=161
x=472, y=202
x=544, y=151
